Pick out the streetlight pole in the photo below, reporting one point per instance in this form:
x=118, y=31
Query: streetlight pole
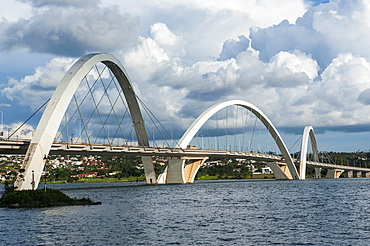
x=108, y=131
x=80, y=129
x=66, y=122
x=2, y=123
x=153, y=136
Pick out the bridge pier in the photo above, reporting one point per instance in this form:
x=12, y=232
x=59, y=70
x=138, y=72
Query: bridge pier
x=280, y=170
x=317, y=173
x=357, y=174
x=366, y=174
x=334, y=173
x=176, y=172
x=191, y=169
x=149, y=171
x=348, y=174
x=173, y=172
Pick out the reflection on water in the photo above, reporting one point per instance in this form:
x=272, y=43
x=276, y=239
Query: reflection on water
x=312, y=212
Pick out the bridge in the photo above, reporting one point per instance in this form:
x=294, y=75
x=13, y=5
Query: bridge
x=116, y=98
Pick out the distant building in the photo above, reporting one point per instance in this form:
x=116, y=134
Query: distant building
x=85, y=175
x=266, y=170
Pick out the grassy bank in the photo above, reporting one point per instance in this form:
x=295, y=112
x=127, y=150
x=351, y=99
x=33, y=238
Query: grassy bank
x=254, y=176
x=136, y=179
x=94, y=180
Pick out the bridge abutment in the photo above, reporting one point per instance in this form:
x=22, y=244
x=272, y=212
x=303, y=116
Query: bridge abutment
x=149, y=171
x=348, y=174
x=357, y=174
x=280, y=170
x=176, y=172
x=334, y=173
x=191, y=169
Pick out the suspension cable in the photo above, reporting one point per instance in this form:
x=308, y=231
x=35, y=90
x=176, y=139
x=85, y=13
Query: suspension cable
x=29, y=118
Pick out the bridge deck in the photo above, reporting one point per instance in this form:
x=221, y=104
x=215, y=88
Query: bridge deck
x=13, y=147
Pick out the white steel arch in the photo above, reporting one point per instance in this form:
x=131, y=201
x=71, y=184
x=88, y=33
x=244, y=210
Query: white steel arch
x=308, y=133
x=48, y=126
x=199, y=122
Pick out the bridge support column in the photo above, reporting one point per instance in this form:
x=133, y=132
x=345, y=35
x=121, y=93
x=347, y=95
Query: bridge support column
x=149, y=170
x=174, y=171
x=317, y=173
x=280, y=170
x=357, y=174
x=191, y=169
x=348, y=174
x=366, y=174
x=334, y=173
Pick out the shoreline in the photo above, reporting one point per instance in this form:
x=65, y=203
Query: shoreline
x=141, y=179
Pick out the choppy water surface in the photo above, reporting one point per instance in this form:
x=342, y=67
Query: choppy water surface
x=310, y=212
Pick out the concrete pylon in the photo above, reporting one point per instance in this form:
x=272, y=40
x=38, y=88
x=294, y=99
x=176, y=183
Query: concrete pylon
x=334, y=173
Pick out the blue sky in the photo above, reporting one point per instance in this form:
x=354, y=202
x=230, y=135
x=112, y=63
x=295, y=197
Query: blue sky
x=301, y=62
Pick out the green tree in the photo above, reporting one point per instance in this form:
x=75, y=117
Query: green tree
x=10, y=179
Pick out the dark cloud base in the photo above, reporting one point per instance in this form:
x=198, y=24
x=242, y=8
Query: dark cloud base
x=322, y=130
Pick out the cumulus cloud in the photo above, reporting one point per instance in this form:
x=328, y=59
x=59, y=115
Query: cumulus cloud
x=76, y=31
x=232, y=48
x=172, y=44
x=205, y=25
x=324, y=31
x=313, y=70
x=289, y=37
x=12, y=131
x=209, y=82
x=75, y=3
x=341, y=90
x=290, y=69
x=14, y=10
x=338, y=98
x=33, y=90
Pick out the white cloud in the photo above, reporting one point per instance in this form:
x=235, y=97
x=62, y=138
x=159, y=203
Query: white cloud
x=173, y=45
x=24, y=132
x=297, y=62
x=67, y=3
x=345, y=27
x=33, y=90
x=324, y=31
x=313, y=70
x=76, y=32
x=14, y=10
x=340, y=88
x=205, y=25
x=340, y=96
x=232, y=48
x=289, y=37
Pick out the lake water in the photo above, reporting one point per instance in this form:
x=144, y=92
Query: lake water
x=252, y=212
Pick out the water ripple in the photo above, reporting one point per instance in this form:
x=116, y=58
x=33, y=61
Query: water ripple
x=311, y=212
